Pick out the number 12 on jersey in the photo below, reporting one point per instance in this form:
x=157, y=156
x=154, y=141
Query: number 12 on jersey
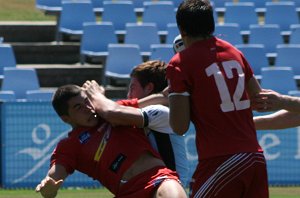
x=229, y=103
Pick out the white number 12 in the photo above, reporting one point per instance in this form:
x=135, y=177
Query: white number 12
x=227, y=104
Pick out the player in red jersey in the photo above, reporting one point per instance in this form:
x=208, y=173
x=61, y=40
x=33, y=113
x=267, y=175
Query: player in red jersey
x=211, y=83
x=120, y=158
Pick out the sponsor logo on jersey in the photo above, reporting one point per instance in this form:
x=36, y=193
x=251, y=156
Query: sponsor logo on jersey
x=84, y=137
x=115, y=166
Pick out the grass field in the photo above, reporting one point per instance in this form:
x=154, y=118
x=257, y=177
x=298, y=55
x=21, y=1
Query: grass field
x=275, y=192
x=21, y=10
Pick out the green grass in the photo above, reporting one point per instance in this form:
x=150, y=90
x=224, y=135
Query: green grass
x=22, y=10
x=275, y=192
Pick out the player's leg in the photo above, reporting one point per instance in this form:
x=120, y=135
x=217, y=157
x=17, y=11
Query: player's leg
x=170, y=188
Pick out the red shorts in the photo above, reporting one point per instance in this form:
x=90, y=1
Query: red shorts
x=240, y=175
x=145, y=184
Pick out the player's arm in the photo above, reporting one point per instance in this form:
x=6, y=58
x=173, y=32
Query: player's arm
x=159, y=98
x=111, y=111
x=179, y=104
x=51, y=183
x=278, y=120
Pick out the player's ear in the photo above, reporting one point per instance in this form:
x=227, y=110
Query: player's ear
x=149, y=87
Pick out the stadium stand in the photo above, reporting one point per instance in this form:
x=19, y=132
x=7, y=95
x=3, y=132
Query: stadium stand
x=72, y=17
x=259, y=33
x=163, y=52
x=275, y=12
x=280, y=79
x=95, y=40
x=49, y=6
x=7, y=96
x=288, y=55
x=162, y=13
x=260, y=5
x=119, y=13
x=173, y=31
x=256, y=56
x=7, y=58
x=136, y=34
x=230, y=32
x=118, y=66
x=39, y=95
x=295, y=34
x=245, y=12
x=19, y=81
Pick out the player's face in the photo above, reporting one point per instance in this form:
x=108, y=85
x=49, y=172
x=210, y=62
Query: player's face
x=81, y=112
x=136, y=90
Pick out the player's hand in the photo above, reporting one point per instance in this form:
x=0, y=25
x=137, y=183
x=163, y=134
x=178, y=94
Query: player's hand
x=267, y=100
x=48, y=187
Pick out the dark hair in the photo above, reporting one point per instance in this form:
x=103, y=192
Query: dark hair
x=151, y=72
x=62, y=96
x=195, y=18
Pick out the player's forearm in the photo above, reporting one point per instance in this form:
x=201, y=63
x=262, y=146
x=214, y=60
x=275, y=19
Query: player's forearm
x=278, y=120
x=153, y=99
x=290, y=103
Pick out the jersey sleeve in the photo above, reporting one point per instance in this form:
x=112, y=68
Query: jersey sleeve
x=175, y=79
x=65, y=155
x=156, y=118
x=131, y=102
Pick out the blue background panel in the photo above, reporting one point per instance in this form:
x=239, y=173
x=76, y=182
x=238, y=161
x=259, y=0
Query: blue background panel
x=30, y=132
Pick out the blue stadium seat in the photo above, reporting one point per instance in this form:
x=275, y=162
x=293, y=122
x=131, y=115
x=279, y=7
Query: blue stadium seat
x=19, y=81
x=97, y=6
x=7, y=57
x=242, y=13
x=259, y=33
x=295, y=34
x=95, y=40
x=143, y=35
x=255, y=55
x=229, y=32
x=160, y=13
x=49, y=5
x=163, y=52
x=282, y=13
x=260, y=5
x=7, y=96
x=280, y=79
x=289, y=55
x=39, y=95
x=119, y=13
x=120, y=61
x=173, y=31
x=73, y=15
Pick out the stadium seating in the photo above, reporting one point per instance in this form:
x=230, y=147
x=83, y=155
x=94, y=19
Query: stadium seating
x=280, y=79
x=259, y=33
x=289, y=55
x=229, y=32
x=120, y=61
x=160, y=13
x=97, y=6
x=173, y=31
x=1, y=39
x=242, y=13
x=143, y=35
x=119, y=13
x=163, y=52
x=260, y=5
x=19, y=81
x=39, y=95
x=7, y=57
x=95, y=40
x=295, y=34
x=255, y=55
x=72, y=17
x=7, y=96
x=282, y=13
x=49, y=5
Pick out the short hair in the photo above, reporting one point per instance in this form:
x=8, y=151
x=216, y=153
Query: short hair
x=153, y=71
x=62, y=96
x=195, y=18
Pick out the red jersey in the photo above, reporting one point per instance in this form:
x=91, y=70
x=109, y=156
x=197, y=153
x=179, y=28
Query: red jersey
x=215, y=75
x=103, y=152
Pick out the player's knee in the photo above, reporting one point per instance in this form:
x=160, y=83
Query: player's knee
x=170, y=189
